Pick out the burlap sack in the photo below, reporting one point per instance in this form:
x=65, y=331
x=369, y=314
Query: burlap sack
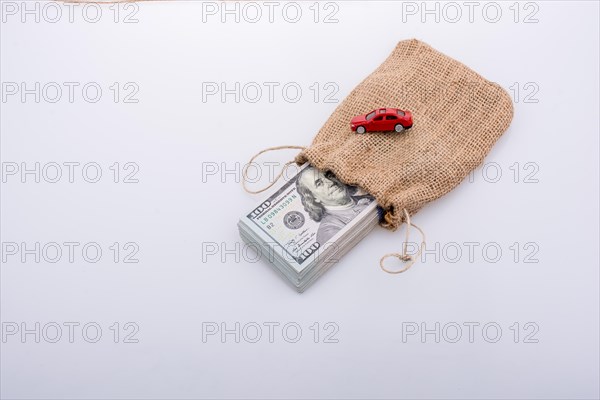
x=458, y=116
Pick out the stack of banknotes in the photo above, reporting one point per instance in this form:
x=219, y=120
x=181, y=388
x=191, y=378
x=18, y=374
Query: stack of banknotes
x=308, y=223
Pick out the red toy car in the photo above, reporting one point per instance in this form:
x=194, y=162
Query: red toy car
x=382, y=120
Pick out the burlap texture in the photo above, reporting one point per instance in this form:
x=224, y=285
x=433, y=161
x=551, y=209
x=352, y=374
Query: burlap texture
x=457, y=117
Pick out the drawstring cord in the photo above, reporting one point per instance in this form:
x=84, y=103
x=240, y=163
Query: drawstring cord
x=287, y=164
x=404, y=257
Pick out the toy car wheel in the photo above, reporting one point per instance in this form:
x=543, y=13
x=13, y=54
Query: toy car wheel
x=361, y=129
x=398, y=128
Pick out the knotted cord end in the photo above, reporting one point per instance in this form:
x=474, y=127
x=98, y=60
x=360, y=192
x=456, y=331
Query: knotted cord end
x=408, y=259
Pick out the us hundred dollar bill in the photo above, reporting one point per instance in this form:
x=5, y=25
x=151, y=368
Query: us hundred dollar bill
x=310, y=211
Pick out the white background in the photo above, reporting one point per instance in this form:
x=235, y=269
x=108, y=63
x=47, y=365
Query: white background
x=174, y=211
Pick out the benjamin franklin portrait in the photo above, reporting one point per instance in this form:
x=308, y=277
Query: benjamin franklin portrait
x=329, y=202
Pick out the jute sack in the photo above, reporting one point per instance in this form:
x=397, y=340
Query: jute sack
x=457, y=117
